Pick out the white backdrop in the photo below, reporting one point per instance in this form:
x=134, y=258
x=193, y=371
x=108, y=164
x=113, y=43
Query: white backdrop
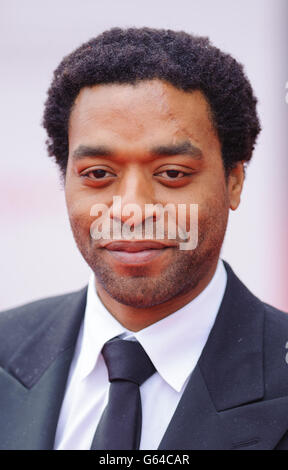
x=38, y=254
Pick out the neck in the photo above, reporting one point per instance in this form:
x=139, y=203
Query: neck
x=135, y=318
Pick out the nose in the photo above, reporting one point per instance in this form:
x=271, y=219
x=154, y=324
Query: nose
x=134, y=199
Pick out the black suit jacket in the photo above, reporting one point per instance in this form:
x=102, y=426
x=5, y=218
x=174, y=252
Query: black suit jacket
x=236, y=398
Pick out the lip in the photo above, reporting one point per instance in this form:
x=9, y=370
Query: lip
x=136, y=253
x=137, y=246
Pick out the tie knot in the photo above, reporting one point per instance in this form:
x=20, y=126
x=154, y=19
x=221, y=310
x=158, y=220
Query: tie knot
x=127, y=360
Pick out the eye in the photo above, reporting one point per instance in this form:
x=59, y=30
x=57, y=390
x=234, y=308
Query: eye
x=173, y=174
x=97, y=174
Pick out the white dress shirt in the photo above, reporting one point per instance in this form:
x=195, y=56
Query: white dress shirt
x=174, y=345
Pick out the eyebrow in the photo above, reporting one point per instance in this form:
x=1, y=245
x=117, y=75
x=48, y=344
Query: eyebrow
x=184, y=148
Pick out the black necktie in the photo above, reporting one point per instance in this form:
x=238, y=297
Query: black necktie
x=120, y=424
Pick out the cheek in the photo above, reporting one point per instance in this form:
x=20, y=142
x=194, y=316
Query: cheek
x=79, y=216
x=212, y=212
x=78, y=207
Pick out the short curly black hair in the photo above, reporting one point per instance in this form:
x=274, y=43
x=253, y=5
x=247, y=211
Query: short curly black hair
x=186, y=61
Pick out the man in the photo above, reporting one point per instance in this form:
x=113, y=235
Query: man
x=148, y=119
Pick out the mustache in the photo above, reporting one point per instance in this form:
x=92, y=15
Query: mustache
x=146, y=230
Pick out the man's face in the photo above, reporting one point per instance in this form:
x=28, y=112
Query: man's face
x=147, y=143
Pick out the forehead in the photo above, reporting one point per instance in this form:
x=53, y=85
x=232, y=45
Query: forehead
x=149, y=110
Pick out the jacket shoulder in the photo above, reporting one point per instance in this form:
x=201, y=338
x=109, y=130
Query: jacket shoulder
x=274, y=313
x=18, y=323
x=275, y=352
x=25, y=315
x=276, y=323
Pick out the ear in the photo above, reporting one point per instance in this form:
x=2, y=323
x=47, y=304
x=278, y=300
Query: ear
x=235, y=184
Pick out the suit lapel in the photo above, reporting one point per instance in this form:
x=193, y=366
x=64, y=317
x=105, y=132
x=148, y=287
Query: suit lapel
x=195, y=423
x=29, y=416
x=33, y=381
x=198, y=425
x=223, y=405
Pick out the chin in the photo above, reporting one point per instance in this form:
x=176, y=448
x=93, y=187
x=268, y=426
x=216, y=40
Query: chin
x=141, y=301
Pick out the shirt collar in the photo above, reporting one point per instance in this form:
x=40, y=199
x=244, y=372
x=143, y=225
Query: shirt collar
x=177, y=339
